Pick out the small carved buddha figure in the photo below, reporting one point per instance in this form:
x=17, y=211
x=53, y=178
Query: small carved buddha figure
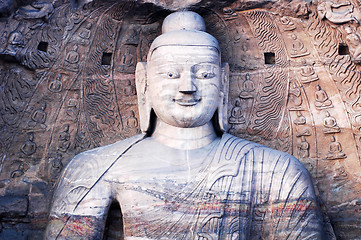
x=38, y=117
x=229, y=13
x=236, y=114
x=85, y=33
x=72, y=59
x=72, y=109
x=15, y=41
x=303, y=132
x=248, y=89
x=287, y=24
x=182, y=179
x=340, y=173
x=16, y=38
x=29, y=146
x=298, y=48
x=18, y=172
x=303, y=148
x=73, y=56
x=56, y=85
x=64, y=139
x=132, y=121
x=128, y=57
x=322, y=100
x=335, y=151
x=56, y=162
x=330, y=124
x=300, y=120
x=354, y=43
x=129, y=89
x=294, y=96
x=308, y=74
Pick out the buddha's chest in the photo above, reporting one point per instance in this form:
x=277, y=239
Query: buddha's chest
x=182, y=208
x=167, y=199
x=154, y=207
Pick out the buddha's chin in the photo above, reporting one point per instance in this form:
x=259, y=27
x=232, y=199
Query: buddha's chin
x=186, y=122
x=185, y=116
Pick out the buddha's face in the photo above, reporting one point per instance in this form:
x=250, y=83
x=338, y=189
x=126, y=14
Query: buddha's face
x=184, y=84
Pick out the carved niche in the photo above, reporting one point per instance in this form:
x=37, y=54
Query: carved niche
x=67, y=85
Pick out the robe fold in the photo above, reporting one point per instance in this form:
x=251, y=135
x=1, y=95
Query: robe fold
x=240, y=190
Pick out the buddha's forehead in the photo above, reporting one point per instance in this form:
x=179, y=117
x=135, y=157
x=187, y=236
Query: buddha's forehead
x=184, y=54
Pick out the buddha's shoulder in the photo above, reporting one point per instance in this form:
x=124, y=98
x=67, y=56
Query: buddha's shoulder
x=269, y=157
x=84, y=172
x=98, y=159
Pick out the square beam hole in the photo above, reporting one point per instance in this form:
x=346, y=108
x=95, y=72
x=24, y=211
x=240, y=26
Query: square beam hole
x=43, y=46
x=106, y=59
x=343, y=49
x=269, y=58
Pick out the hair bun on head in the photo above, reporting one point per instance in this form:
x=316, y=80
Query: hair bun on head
x=184, y=29
x=184, y=20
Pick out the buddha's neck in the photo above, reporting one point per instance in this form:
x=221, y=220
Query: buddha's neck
x=184, y=138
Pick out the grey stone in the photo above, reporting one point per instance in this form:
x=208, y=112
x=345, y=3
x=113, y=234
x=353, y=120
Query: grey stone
x=13, y=206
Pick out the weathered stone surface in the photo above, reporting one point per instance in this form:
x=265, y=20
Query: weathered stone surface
x=180, y=179
x=38, y=205
x=61, y=65
x=13, y=207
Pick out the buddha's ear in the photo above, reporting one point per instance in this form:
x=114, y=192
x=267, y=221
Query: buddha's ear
x=223, y=105
x=144, y=105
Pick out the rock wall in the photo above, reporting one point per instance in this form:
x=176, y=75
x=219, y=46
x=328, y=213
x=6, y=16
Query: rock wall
x=67, y=85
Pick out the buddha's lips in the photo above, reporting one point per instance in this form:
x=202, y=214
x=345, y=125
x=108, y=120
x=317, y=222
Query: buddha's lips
x=187, y=101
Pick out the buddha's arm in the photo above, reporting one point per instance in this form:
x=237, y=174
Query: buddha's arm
x=296, y=213
x=83, y=195
x=80, y=203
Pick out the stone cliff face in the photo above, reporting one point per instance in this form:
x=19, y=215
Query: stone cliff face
x=67, y=85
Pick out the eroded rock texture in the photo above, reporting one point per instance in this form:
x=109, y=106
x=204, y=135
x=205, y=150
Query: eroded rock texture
x=67, y=85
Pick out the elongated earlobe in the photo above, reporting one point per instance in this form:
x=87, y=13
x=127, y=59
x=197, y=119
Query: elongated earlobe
x=144, y=105
x=223, y=105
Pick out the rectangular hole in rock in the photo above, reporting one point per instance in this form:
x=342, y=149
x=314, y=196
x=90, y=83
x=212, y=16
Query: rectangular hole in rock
x=106, y=59
x=43, y=46
x=269, y=58
x=343, y=49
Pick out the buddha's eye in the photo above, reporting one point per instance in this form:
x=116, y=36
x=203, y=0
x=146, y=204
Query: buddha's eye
x=170, y=74
x=205, y=71
x=204, y=75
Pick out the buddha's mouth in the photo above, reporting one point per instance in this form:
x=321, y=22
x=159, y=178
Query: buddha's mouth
x=187, y=101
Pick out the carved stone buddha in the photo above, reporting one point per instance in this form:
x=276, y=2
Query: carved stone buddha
x=182, y=179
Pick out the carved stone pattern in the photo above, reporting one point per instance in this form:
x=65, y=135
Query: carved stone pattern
x=270, y=104
x=94, y=99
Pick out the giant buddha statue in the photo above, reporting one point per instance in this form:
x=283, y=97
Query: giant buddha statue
x=185, y=177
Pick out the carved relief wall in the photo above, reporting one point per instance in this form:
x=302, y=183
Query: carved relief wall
x=67, y=85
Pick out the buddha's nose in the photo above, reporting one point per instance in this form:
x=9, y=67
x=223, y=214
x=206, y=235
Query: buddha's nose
x=186, y=84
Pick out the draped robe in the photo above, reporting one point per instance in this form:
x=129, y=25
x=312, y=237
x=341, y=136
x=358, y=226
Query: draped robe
x=230, y=189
